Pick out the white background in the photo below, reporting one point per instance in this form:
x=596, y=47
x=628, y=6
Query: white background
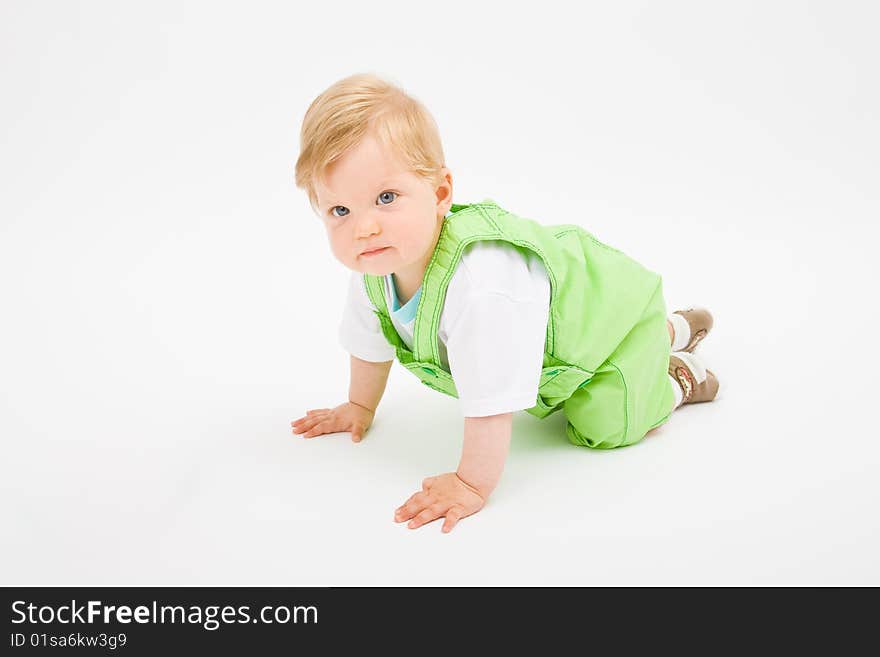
x=170, y=303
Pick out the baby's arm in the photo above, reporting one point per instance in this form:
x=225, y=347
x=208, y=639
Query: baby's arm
x=458, y=494
x=368, y=382
x=486, y=442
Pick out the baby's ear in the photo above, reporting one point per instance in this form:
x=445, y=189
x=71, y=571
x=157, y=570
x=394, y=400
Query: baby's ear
x=444, y=190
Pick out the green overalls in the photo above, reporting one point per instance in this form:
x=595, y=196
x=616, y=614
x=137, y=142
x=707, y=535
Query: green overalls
x=607, y=350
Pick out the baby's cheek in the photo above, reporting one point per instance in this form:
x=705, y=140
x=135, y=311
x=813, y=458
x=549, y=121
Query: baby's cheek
x=341, y=254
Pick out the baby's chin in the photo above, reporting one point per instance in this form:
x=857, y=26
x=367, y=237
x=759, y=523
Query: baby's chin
x=379, y=265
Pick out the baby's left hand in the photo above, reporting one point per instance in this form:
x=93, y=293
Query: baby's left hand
x=443, y=495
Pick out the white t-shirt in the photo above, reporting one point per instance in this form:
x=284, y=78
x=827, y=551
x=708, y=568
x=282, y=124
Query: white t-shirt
x=492, y=331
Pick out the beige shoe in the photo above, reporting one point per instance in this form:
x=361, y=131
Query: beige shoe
x=700, y=320
x=697, y=383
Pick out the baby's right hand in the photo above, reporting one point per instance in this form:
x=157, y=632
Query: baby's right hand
x=345, y=417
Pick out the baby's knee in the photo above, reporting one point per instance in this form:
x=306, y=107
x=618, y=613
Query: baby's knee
x=592, y=439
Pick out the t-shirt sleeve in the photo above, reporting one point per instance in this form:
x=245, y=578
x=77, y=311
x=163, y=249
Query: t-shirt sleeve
x=360, y=332
x=496, y=352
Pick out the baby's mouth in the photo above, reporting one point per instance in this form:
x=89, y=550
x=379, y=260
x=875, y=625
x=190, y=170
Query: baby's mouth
x=375, y=252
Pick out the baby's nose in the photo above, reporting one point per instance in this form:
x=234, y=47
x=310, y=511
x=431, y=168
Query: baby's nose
x=368, y=225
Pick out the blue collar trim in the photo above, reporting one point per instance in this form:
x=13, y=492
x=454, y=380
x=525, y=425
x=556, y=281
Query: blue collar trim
x=407, y=313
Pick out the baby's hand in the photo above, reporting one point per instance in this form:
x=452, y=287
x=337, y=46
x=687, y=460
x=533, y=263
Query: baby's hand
x=443, y=495
x=345, y=417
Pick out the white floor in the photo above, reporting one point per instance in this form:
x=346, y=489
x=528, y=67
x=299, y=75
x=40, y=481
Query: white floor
x=169, y=305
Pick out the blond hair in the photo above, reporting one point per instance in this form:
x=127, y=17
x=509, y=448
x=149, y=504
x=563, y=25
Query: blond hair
x=364, y=104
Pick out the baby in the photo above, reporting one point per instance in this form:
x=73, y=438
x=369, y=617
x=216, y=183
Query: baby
x=497, y=310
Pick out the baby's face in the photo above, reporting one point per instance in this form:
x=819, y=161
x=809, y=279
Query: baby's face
x=368, y=200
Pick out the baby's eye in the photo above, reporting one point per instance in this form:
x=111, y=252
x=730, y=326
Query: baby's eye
x=385, y=195
x=341, y=207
